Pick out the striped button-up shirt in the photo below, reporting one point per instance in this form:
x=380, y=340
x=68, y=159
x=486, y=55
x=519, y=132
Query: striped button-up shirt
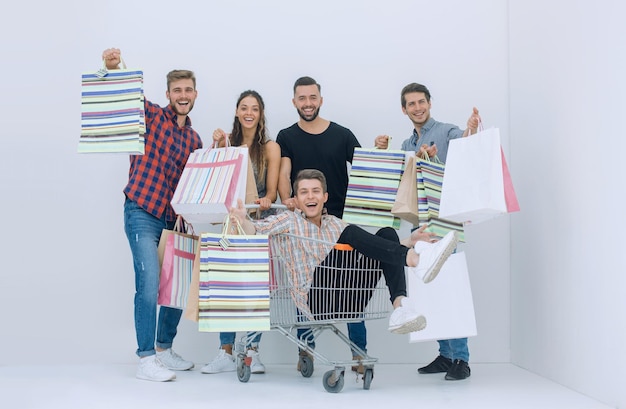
x=302, y=252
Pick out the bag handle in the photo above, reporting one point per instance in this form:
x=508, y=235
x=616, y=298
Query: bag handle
x=181, y=226
x=227, y=143
x=103, y=71
x=234, y=228
x=480, y=128
x=424, y=156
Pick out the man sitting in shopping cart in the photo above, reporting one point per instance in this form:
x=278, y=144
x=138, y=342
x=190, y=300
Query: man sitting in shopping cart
x=420, y=252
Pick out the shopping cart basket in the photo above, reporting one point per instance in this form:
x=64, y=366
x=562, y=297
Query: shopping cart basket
x=347, y=287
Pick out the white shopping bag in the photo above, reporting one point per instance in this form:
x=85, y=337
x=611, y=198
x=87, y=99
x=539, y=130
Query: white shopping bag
x=446, y=302
x=476, y=184
x=211, y=183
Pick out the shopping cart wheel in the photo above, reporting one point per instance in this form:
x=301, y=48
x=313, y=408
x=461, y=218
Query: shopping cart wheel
x=243, y=370
x=306, y=366
x=333, y=383
x=367, y=378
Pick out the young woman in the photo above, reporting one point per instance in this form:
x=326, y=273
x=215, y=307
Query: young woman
x=249, y=129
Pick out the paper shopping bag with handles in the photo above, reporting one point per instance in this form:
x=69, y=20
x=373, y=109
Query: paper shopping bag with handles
x=406, y=204
x=234, y=282
x=433, y=171
x=211, y=183
x=477, y=186
x=448, y=316
x=372, y=187
x=192, y=308
x=112, y=112
x=176, y=253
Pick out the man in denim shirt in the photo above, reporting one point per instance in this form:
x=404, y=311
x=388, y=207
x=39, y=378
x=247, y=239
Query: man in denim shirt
x=432, y=137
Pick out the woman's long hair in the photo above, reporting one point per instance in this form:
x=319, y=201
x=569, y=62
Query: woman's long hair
x=257, y=150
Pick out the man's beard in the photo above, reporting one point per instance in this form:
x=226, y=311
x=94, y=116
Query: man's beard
x=175, y=108
x=309, y=119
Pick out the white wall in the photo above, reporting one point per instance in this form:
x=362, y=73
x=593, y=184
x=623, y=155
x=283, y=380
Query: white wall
x=67, y=275
x=567, y=105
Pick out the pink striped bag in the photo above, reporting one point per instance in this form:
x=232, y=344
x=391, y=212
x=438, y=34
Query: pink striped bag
x=177, y=251
x=211, y=183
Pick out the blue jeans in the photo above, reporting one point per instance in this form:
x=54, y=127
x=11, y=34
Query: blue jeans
x=357, y=333
x=228, y=338
x=454, y=349
x=143, y=232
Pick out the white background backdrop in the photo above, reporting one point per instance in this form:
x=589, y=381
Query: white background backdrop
x=546, y=75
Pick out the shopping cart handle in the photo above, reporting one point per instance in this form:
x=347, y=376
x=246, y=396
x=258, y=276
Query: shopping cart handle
x=256, y=206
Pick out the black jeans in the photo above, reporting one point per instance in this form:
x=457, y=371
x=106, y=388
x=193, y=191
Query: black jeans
x=384, y=246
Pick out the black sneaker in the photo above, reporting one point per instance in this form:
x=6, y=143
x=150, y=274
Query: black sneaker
x=459, y=370
x=440, y=364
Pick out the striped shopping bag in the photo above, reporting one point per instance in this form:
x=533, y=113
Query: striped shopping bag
x=372, y=187
x=112, y=112
x=177, y=251
x=234, y=282
x=432, y=174
x=211, y=183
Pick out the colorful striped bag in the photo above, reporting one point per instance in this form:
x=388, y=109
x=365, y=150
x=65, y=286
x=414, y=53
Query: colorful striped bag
x=112, y=112
x=372, y=187
x=176, y=254
x=432, y=172
x=211, y=183
x=234, y=282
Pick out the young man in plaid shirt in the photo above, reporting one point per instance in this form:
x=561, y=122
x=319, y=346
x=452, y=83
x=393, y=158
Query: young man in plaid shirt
x=152, y=180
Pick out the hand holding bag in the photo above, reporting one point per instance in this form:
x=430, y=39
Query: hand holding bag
x=212, y=181
x=406, y=203
x=176, y=254
x=112, y=111
x=477, y=186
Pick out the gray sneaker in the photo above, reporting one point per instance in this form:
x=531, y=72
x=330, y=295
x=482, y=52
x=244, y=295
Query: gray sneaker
x=151, y=369
x=171, y=360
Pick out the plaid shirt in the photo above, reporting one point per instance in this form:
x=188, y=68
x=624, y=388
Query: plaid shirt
x=298, y=255
x=153, y=176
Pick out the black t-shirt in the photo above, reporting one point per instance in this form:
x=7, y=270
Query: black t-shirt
x=327, y=152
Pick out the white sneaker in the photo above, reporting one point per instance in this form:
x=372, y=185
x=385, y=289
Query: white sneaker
x=256, y=366
x=171, y=360
x=223, y=362
x=433, y=256
x=404, y=320
x=151, y=369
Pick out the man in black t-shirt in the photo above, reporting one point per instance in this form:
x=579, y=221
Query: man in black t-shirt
x=317, y=143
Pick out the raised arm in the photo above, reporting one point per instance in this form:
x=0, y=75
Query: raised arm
x=284, y=183
x=219, y=137
x=472, y=123
x=240, y=215
x=112, y=58
x=272, y=152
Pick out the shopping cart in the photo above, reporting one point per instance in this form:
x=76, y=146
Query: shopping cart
x=347, y=287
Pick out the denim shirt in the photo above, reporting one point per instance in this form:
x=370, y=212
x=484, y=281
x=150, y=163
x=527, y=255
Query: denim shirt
x=433, y=132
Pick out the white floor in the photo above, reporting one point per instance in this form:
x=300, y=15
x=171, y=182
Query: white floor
x=114, y=386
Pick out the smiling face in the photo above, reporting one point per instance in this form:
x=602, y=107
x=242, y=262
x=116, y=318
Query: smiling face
x=248, y=112
x=307, y=100
x=417, y=108
x=310, y=196
x=182, y=95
